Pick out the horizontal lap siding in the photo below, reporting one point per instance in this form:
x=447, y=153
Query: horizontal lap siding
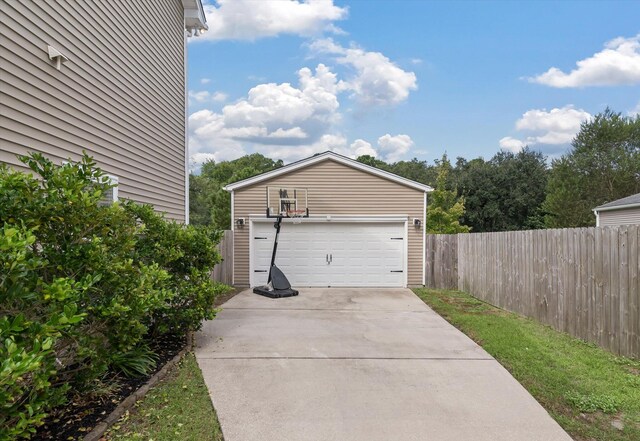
x=335, y=189
x=624, y=216
x=120, y=96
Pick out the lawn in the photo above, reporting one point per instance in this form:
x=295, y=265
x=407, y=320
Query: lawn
x=591, y=393
x=177, y=408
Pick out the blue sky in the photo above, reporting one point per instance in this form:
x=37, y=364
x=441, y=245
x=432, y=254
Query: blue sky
x=404, y=79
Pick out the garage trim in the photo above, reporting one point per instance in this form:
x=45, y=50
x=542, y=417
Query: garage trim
x=261, y=218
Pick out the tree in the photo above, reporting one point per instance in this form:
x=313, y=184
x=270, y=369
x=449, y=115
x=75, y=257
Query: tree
x=209, y=204
x=504, y=193
x=603, y=165
x=373, y=162
x=416, y=170
x=445, y=207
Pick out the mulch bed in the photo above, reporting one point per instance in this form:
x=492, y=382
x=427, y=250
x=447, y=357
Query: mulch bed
x=78, y=417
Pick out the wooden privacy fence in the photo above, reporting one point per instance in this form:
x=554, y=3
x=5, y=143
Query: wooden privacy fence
x=442, y=261
x=583, y=281
x=223, y=272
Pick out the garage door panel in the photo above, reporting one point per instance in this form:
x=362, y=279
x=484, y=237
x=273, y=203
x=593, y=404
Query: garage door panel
x=362, y=254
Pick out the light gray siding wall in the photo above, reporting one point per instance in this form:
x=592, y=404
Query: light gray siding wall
x=335, y=189
x=623, y=216
x=120, y=97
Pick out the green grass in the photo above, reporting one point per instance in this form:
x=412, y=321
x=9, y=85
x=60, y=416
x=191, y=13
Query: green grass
x=177, y=408
x=583, y=387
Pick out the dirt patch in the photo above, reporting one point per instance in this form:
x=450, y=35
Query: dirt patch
x=633, y=371
x=225, y=297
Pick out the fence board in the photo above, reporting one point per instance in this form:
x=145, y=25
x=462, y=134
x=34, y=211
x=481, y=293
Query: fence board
x=584, y=281
x=223, y=271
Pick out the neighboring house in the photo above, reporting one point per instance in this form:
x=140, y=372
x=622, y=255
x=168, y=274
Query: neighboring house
x=106, y=77
x=370, y=222
x=623, y=211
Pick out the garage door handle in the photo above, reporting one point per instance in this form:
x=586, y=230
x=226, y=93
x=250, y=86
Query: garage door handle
x=326, y=258
x=330, y=258
x=397, y=271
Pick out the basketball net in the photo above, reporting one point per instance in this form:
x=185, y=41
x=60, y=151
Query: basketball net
x=296, y=215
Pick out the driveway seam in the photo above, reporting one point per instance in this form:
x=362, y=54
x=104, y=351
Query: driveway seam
x=345, y=358
x=325, y=309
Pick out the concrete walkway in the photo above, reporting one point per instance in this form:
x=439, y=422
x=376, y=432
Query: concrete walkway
x=358, y=364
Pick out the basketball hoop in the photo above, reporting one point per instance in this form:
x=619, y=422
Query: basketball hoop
x=296, y=215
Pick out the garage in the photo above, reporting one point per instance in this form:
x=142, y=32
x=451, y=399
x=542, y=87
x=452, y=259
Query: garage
x=361, y=226
x=365, y=252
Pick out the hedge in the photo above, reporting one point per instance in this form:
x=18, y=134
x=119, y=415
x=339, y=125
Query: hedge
x=84, y=286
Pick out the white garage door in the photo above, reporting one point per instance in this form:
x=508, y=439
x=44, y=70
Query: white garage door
x=332, y=253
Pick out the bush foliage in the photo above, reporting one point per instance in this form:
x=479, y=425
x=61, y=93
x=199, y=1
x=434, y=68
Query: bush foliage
x=84, y=286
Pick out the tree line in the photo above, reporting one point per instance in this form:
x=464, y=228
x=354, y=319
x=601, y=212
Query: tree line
x=510, y=191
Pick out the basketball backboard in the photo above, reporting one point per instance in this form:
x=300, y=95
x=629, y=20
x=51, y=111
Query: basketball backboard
x=287, y=202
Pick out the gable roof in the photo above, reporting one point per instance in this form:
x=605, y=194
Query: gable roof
x=328, y=156
x=628, y=202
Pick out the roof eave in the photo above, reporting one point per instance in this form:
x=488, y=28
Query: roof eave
x=615, y=207
x=327, y=156
x=194, y=16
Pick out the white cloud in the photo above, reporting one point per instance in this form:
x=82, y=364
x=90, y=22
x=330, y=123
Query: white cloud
x=205, y=80
x=635, y=111
x=271, y=108
x=361, y=147
x=333, y=142
x=557, y=126
x=250, y=19
x=512, y=144
x=200, y=96
x=416, y=61
x=204, y=96
x=219, y=97
x=617, y=64
x=276, y=119
x=376, y=80
x=393, y=148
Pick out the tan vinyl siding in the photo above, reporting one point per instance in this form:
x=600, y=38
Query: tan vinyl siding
x=120, y=97
x=622, y=216
x=335, y=189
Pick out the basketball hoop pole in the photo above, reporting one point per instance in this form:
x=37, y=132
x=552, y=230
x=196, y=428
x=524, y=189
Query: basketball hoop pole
x=275, y=246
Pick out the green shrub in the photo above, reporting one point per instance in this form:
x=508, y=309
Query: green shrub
x=35, y=317
x=137, y=362
x=187, y=253
x=84, y=286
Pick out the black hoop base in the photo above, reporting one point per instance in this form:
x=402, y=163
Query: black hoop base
x=275, y=293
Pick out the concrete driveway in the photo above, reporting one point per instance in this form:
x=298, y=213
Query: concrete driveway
x=358, y=364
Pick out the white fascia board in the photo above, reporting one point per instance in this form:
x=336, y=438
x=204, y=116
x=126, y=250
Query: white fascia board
x=423, y=231
x=324, y=157
x=616, y=207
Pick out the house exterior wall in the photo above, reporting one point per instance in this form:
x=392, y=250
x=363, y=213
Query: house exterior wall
x=120, y=97
x=622, y=216
x=335, y=189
